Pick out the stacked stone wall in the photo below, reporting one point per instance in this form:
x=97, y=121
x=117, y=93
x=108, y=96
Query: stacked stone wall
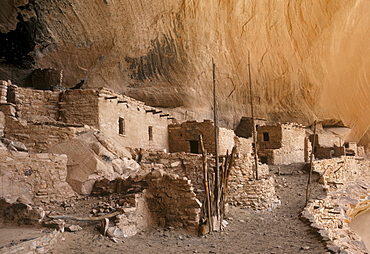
x=243, y=188
x=182, y=164
x=180, y=135
x=38, y=137
x=346, y=181
x=40, y=176
x=36, y=103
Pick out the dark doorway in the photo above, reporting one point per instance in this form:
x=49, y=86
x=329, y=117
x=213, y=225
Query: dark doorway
x=194, y=146
x=266, y=136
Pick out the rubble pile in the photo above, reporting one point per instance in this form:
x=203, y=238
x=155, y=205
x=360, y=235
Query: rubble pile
x=345, y=180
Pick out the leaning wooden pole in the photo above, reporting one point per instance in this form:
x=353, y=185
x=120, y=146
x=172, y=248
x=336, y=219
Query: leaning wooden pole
x=206, y=185
x=308, y=191
x=254, y=126
x=215, y=119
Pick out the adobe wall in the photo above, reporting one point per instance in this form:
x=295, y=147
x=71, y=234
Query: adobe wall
x=79, y=107
x=346, y=181
x=39, y=176
x=137, y=119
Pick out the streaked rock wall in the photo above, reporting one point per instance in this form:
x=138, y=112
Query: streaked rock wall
x=308, y=58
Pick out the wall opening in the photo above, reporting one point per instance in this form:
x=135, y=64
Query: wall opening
x=263, y=159
x=266, y=136
x=150, y=132
x=121, y=126
x=194, y=146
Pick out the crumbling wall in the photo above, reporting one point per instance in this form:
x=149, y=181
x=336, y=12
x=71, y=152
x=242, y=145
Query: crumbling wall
x=172, y=201
x=346, y=181
x=131, y=122
x=183, y=164
x=2, y=123
x=40, y=176
x=225, y=140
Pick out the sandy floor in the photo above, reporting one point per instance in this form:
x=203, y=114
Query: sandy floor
x=277, y=231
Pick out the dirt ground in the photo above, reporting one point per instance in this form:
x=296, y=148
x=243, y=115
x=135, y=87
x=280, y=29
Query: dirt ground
x=249, y=231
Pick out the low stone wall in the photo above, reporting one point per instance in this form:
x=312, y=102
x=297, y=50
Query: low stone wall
x=41, y=177
x=346, y=181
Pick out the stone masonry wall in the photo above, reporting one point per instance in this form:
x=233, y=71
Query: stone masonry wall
x=36, y=103
x=172, y=201
x=346, y=181
x=38, y=137
x=43, y=175
x=182, y=164
x=180, y=136
x=79, y=107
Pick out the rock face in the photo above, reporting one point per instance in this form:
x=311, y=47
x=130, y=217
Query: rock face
x=307, y=58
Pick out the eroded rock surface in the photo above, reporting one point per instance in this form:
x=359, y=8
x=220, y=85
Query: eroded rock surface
x=307, y=57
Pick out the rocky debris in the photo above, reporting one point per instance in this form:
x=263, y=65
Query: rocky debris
x=344, y=180
x=89, y=161
x=14, y=145
x=72, y=228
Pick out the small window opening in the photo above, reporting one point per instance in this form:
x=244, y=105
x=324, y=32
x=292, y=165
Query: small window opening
x=150, y=132
x=346, y=145
x=266, y=136
x=121, y=126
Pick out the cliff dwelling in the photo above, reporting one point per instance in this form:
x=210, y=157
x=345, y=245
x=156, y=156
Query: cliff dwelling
x=184, y=126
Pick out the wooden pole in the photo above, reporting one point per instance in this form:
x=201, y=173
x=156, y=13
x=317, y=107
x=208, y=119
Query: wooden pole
x=308, y=192
x=252, y=112
x=206, y=184
x=215, y=119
